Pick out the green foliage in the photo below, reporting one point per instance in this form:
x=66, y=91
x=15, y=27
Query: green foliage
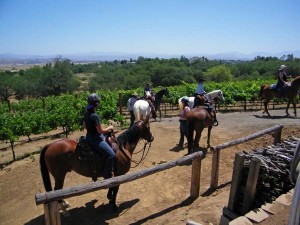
x=218, y=73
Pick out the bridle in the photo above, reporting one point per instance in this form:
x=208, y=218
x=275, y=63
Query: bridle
x=144, y=150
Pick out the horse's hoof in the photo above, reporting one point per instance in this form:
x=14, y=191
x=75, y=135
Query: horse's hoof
x=115, y=208
x=110, y=197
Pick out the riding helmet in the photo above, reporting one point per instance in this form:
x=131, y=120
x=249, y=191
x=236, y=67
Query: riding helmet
x=93, y=100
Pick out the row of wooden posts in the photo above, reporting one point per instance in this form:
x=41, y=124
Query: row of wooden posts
x=50, y=199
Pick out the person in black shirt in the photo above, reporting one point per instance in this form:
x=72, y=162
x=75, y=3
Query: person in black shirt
x=95, y=134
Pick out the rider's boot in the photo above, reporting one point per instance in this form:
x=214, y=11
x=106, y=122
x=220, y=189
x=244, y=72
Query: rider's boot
x=216, y=123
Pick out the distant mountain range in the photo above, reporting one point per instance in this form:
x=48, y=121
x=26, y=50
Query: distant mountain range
x=111, y=56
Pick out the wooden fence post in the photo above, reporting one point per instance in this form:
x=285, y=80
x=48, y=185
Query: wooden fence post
x=52, y=216
x=215, y=168
x=235, y=181
x=251, y=185
x=196, y=174
x=277, y=135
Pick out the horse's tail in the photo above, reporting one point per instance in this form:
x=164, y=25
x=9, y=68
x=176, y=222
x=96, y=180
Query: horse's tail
x=44, y=170
x=260, y=95
x=137, y=114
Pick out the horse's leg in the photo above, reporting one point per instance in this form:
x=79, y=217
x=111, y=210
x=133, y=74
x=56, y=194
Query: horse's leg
x=295, y=109
x=287, y=108
x=190, y=136
x=208, y=136
x=198, y=135
x=59, y=182
x=266, y=102
x=159, y=113
x=112, y=197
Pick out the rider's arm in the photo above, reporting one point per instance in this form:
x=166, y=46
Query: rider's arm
x=281, y=78
x=102, y=130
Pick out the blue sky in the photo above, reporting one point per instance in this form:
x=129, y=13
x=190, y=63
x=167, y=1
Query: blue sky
x=149, y=26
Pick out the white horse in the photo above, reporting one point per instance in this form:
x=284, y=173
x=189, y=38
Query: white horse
x=141, y=110
x=216, y=95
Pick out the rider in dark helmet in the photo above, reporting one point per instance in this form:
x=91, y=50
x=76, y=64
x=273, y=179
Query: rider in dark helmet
x=95, y=134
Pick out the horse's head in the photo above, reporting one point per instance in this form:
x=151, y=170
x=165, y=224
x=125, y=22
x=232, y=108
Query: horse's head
x=144, y=128
x=161, y=93
x=167, y=94
x=220, y=95
x=296, y=83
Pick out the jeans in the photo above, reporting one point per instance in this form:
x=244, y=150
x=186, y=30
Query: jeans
x=105, y=149
x=182, y=131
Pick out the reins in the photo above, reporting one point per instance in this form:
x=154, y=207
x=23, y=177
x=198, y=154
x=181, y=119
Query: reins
x=144, y=155
x=137, y=163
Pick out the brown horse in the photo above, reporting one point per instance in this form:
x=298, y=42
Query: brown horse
x=198, y=119
x=60, y=157
x=291, y=91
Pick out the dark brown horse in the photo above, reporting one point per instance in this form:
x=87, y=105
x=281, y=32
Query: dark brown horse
x=291, y=92
x=158, y=99
x=198, y=119
x=60, y=157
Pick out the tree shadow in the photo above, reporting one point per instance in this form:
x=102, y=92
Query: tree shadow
x=184, y=203
x=88, y=214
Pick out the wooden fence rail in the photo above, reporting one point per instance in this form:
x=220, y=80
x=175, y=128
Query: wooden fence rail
x=103, y=184
x=276, y=130
x=50, y=199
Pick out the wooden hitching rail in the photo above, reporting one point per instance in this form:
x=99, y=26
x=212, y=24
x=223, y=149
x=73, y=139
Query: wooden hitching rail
x=50, y=199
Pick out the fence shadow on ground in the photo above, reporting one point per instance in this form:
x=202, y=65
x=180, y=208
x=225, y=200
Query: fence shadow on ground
x=89, y=214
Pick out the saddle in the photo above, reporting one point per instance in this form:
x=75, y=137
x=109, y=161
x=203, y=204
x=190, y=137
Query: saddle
x=200, y=100
x=93, y=157
x=150, y=101
x=281, y=92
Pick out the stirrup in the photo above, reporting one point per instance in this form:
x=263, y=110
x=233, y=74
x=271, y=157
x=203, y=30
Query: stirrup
x=216, y=123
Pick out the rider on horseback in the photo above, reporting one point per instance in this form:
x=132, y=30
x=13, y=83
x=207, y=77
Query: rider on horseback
x=200, y=95
x=282, y=81
x=202, y=99
x=95, y=134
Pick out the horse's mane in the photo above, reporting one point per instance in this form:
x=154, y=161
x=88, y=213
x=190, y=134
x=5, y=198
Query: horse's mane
x=131, y=135
x=297, y=79
x=161, y=92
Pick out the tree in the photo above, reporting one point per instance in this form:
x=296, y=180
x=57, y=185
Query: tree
x=218, y=73
x=60, y=79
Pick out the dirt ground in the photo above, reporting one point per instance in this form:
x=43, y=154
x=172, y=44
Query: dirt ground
x=161, y=198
